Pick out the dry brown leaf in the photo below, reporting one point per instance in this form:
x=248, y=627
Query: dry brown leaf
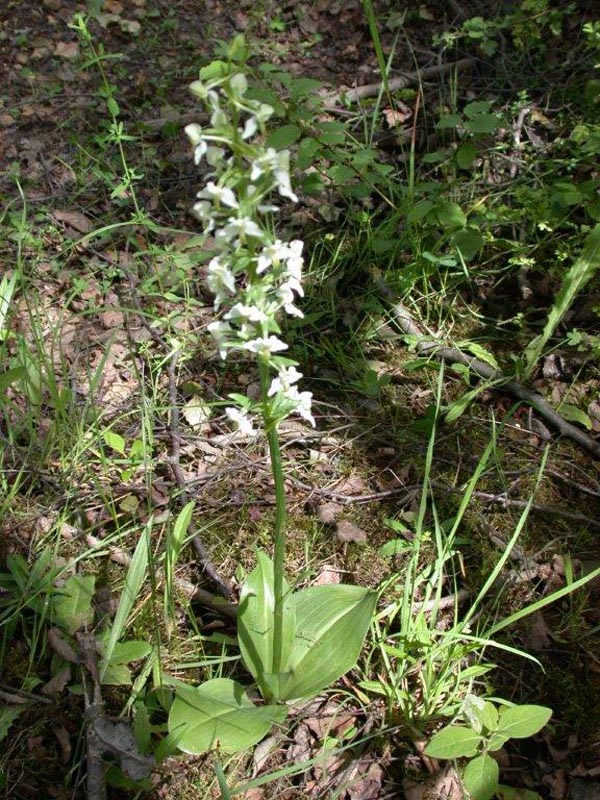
x=67, y=50
x=347, y=531
x=328, y=513
x=75, y=219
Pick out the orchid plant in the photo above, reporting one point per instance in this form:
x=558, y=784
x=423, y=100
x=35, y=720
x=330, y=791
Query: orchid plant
x=293, y=642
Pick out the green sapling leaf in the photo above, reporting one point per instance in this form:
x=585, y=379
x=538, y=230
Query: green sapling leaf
x=520, y=722
x=481, y=777
x=73, y=603
x=454, y=741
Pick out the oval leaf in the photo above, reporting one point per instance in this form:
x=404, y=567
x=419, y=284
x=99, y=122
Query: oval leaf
x=331, y=624
x=481, y=777
x=454, y=741
x=219, y=714
x=519, y=722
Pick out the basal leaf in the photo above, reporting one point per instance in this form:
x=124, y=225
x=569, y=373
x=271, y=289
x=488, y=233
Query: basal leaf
x=219, y=714
x=331, y=623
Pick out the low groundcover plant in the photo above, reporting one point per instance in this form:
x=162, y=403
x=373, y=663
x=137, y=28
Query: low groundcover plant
x=293, y=642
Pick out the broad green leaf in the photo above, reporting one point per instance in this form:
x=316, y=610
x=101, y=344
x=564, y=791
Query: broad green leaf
x=520, y=722
x=574, y=414
x=219, y=714
x=115, y=441
x=469, y=241
x=419, y=210
x=307, y=150
x=454, y=741
x=133, y=650
x=480, y=713
x=449, y=121
x=476, y=108
x=304, y=87
x=331, y=133
x=573, y=283
x=451, y=215
x=116, y=675
x=256, y=624
x=73, y=603
x=495, y=742
x=10, y=376
x=8, y=714
x=136, y=574
x=512, y=793
x=483, y=123
x=481, y=777
x=283, y=137
x=466, y=154
x=331, y=623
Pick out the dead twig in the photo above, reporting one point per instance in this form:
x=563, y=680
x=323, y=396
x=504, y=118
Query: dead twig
x=432, y=347
x=395, y=84
x=190, y=590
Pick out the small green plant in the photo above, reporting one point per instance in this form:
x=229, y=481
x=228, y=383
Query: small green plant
x=488, y=727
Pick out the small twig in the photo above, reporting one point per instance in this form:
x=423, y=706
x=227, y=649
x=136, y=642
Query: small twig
x=439, y=604
x=203, y=554
x=405, y=321
x=395, y=84
x=190, y=590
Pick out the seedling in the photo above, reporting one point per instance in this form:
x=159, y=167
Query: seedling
x=488, y=729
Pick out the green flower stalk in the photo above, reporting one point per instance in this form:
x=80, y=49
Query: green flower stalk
x=255, y=277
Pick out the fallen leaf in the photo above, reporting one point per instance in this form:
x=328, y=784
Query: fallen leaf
x=75, y=219
x=196, y=412
x=328, y=513
x=67, y=50
x=347, y=531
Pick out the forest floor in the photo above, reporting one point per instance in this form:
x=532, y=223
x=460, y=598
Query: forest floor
x=87, y=430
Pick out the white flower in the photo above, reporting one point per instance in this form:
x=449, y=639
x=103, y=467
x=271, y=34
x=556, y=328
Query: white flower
x=203, y=212
x=221, y=331
x=263, y=112
x=220, y=280
x=240, y=228
x=250, y=127
x=214, y=155
x=218, y=118
x=194, y=133
x=294, y=260
x=271, y=254
x=240, y=313
x=241, y=420
x=264, y=346
x=222, y=194
x=239, y=83
x=284, y=380
x=302, y=404
x=278, y=165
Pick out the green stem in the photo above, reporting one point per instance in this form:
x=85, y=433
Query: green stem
x=280, y=514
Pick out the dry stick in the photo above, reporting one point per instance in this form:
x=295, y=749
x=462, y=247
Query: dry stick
x=395, y=84
x=405, y=321
x=203, y=554
x=193, y=592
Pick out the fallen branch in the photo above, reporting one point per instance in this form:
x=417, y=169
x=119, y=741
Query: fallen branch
x=394, y=84
x=432, y=347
